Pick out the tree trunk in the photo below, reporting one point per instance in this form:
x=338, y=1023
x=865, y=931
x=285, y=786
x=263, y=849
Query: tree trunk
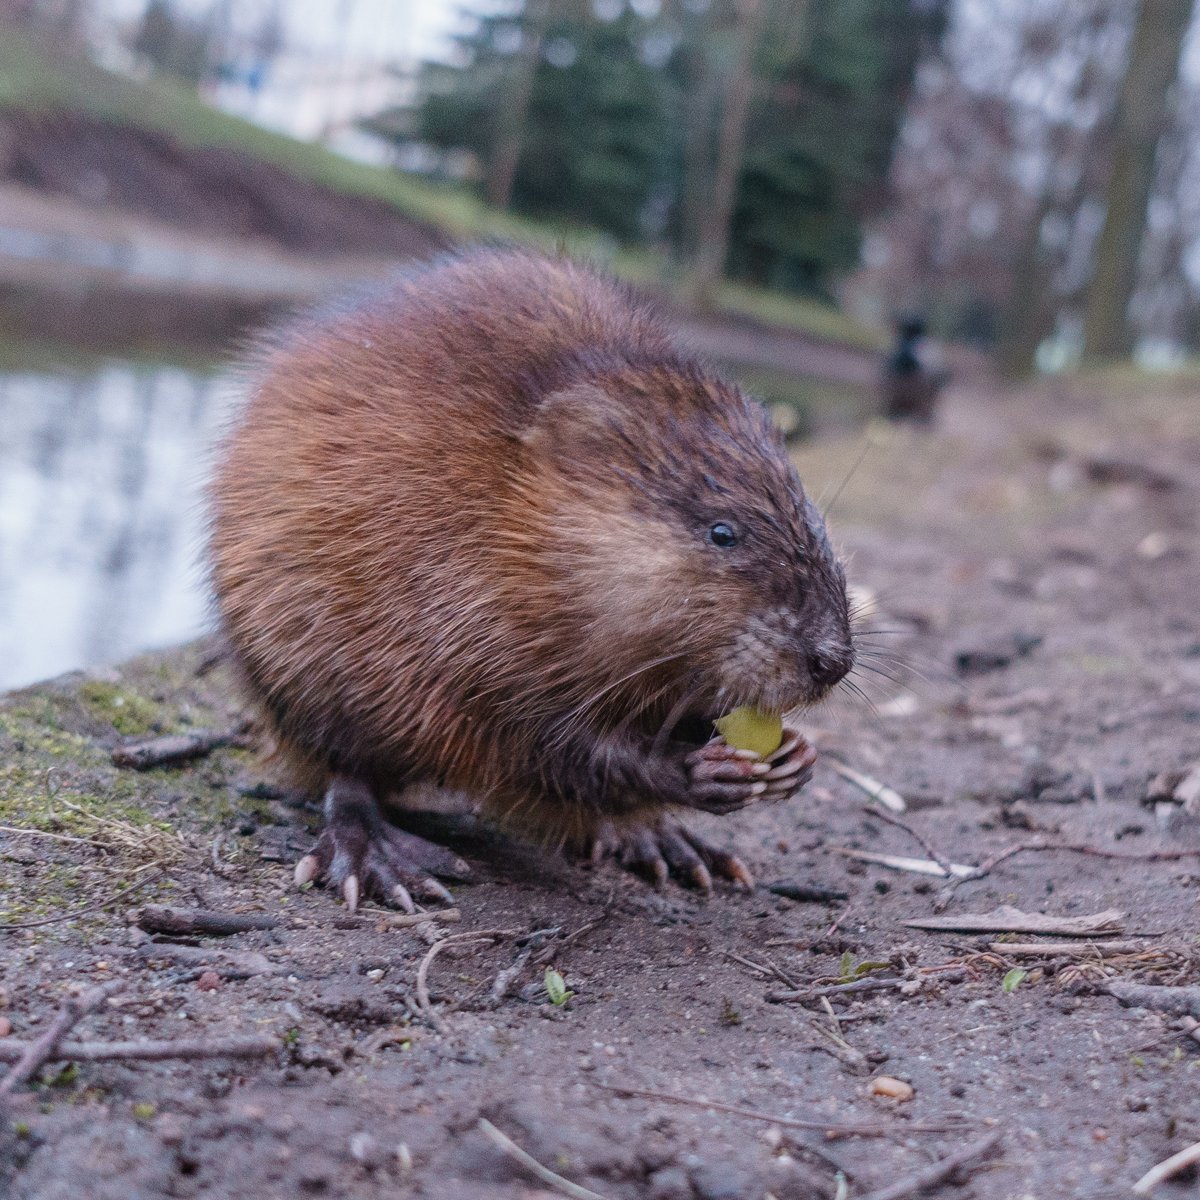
x=713, y=247
x=1140, y=119
x=506, y=153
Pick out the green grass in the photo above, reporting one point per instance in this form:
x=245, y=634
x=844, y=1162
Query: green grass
x=34, y=78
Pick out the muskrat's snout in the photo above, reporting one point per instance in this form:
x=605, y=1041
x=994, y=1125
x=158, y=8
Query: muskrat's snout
x=828, y=663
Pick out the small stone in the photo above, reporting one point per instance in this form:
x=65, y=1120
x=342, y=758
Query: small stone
x=365, y=1149
x=891, y=1088
x=721, y=1181
x=5, y=1027
x=209, y=981
x=670, y=1183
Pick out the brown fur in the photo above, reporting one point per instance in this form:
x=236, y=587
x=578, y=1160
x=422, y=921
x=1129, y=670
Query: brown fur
x=459, y=535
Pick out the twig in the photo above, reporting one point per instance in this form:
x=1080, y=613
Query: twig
x=172, y=749
x=916, y=866
x=1177, y=1001
x=83, y=909
x=938, y=1172
x=868, y=983
x=808, y=893
x=830, y=1128
x=56, y=837
x=990, y=864
x=768, y=968
x=506, y=978
x=37, y=1053
x=1074, y=949
x=947, y=867
x=394, y=920
x=453, y=939
x=162, y=918
x=1168, y=1167
x=551, y=951
x=887, y=796
x=504, y=1143
x=147, y=1051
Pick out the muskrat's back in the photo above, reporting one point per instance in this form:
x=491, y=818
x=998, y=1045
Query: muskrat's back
x=356, y=511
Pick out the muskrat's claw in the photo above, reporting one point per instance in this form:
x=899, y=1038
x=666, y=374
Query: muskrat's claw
x=664, y=847
x=722, y=779
x=790, y=767
x=361, y=853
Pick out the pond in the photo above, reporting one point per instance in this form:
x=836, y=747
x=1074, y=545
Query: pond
x=102, y=471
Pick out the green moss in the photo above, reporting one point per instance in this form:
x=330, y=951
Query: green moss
x=126, y=711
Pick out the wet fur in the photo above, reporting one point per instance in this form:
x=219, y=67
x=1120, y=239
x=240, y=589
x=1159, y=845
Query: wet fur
x=458, y=535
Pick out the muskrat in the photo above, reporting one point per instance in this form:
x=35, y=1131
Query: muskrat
x=488, y=528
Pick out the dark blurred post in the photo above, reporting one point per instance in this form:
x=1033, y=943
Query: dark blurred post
x=713, y=245
x=506, y=154
x=1140, y=120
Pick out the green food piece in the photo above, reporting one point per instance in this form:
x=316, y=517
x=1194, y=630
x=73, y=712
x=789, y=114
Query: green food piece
x=748, y=728
x=1013, y=979
x=556, y=987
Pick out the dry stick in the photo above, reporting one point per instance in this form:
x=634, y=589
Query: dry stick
x=172, y=749
x=394, y=920
x=503, y=1142
x=87, y=908
x=1175, y=1001
x=506, y=978
x=147, y=1051
x=938, y=1172
x=901, y=862
x=867, y=984
x=162, y=918
x=41, y=1051
x=883, y=815
x=423, y=1001
x=990, y=864
x=830, y=1128
x=1168, y=1167
x=1076, y=949
x=887, y=796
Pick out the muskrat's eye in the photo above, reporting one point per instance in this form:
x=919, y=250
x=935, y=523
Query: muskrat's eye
x=722, y=535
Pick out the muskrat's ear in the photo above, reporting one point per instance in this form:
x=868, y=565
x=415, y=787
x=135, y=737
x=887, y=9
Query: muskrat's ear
x=581, y=413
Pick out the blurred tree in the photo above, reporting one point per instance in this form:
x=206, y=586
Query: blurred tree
x=752, y=135
x=174, y=42
x=1141, y=120
x=567, y=113
x=715, y=225
x=836, y=76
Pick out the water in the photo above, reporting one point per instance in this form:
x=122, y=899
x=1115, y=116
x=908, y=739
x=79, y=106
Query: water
x=101, y=512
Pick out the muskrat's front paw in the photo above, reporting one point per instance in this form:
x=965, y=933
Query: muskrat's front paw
x=789, y=768
x=722, y=779
x=664, y=847
x=379, y=861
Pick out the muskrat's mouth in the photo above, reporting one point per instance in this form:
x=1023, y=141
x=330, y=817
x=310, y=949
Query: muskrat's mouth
x=693, y=728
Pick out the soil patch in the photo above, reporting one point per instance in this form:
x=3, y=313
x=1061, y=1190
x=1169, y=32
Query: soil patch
x=1050, y=608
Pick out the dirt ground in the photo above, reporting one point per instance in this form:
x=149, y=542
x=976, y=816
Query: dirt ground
x=1033, y=568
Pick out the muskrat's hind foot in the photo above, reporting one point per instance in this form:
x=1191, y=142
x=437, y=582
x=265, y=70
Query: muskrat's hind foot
x=361, y=853
x=662, y=847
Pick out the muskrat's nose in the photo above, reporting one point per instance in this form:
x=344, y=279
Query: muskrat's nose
x=828, y=664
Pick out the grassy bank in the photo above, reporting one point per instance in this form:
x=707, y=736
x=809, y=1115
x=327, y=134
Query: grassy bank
x=34, y=78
